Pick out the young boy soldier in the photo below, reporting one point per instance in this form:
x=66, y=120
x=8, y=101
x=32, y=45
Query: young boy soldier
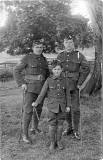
x=75, y=69
x=36, y=72
x=55, y=87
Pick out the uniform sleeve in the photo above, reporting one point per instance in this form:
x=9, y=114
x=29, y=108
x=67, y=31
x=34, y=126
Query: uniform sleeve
x=84, y=70
x=43, y=92
x=18, y=71
x=47, y=69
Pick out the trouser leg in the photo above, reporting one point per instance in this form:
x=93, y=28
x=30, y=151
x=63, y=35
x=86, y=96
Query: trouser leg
x=60, y=120
x=75, y=113
x=69, y=101
x=52, y=134
x=69, y=119
x=52, y=129
x=69, y=129
x=76, y=119
x=75, y=109
x=73, y=117
x=27, y=119
x=59, y=135
x=27, y=115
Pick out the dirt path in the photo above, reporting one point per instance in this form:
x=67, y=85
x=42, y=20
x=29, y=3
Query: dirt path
x=88, y=149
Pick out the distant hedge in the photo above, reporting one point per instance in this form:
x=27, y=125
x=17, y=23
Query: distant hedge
x=6, y=75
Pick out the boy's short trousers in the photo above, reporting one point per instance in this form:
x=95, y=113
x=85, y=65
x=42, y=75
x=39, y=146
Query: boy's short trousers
x=56, y=118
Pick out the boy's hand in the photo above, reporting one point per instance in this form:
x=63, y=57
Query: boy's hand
x=34, y=104
x=67, y=109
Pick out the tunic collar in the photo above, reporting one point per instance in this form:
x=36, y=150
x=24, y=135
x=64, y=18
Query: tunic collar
x=69, y=52
x=54, y=77
x=36, y=56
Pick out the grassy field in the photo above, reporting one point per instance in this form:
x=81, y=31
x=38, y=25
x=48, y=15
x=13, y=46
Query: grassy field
x=87, y=149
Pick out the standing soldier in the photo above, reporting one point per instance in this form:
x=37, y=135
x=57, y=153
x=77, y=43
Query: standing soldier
x=36, y=72
x=76, y=69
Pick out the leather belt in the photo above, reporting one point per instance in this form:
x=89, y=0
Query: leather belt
x=71, y=74
x=33, y=78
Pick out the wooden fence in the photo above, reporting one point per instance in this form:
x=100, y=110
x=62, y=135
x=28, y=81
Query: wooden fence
x=7, y=66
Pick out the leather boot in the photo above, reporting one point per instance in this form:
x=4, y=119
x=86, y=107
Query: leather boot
x=27, y=119
x=67, y=132
x=26, y=139
x=52, y=132
x=59, y=135
x=76, y=135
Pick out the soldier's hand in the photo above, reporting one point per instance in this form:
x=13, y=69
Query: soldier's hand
x=24, y=87
x=67, y=109
x=34, y=104
x=79, y=87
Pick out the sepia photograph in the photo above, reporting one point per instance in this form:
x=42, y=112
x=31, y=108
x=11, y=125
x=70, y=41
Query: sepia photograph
x=51, y=80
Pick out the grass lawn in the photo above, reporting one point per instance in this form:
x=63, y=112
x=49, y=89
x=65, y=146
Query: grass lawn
x=87, y=149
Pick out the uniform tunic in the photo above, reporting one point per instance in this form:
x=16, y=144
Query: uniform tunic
x=56, y=93
x=75, y=67
x=34, y=66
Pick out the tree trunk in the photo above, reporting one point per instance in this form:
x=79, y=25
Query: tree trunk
x=95, y=82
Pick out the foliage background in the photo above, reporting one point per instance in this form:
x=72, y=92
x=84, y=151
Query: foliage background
x=28, y=20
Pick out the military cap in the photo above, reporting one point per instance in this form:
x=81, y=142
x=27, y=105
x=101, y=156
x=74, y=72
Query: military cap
x=38, y=41
x=66, y=34
x=69, y=37
x=55, y=63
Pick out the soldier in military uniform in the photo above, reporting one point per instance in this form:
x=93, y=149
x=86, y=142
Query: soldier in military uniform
x=36, y=72
x=55, y=87
x=75, y=70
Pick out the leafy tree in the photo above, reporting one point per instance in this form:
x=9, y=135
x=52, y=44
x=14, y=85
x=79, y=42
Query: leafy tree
x=30, y=20
x=95, y=82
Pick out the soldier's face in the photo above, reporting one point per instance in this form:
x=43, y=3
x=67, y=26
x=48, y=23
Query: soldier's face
x=68, y=44
x=37, y=49
x=57, y=71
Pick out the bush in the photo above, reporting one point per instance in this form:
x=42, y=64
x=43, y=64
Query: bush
x=6, y=75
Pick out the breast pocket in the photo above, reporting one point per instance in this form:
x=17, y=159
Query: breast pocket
x=75, y=65
x=32, y=69
x=72, y=65
x=52, y=87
